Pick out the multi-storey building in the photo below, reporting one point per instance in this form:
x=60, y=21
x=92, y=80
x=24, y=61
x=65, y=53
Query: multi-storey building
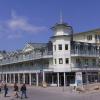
x=56, y=62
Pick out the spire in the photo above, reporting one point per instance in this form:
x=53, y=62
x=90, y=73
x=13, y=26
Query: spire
x=61, y=18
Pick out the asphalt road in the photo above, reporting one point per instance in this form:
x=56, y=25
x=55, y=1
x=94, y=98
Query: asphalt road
x=52, y=93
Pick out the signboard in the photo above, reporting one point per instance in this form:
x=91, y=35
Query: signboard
x=78, y=79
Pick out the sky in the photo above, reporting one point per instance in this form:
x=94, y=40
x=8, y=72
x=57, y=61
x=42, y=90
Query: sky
x=24, y=21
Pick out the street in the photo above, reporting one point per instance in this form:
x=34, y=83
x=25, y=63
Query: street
x=52, y=93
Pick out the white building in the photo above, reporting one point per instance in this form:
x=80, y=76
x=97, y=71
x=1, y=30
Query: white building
x=56, y=62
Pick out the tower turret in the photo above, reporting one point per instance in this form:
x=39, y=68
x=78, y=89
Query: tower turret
x=61, y=46
x=60, y=29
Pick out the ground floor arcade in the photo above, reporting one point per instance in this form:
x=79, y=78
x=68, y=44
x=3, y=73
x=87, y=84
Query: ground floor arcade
x=51, y=78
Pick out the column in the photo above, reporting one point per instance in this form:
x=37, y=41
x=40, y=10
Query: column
x=18, y=78
x=30, y=82
x=9, y=78
x=3, y=77
x=23, y=77
x=0, y=76
x=37, y=79
x=43, y=76
x=58, y=79
x=64, y=79
x=14, y=78
x=52, y=79
x=6, y=78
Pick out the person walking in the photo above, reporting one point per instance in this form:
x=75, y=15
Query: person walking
x=0, y=88
x=5, y=90
x=23, y=90
x=16, y=90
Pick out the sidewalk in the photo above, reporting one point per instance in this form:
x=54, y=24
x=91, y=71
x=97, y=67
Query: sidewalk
x=63, y=91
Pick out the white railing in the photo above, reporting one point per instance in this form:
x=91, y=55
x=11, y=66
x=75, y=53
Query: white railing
x=85, y=53
x=27, y=58
x=83, y=67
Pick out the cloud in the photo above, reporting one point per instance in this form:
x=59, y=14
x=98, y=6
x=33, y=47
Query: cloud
x=17, y=26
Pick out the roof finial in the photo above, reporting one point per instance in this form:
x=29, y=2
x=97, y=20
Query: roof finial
x=61, y=18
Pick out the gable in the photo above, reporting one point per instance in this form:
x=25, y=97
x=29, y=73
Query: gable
x=28, y=48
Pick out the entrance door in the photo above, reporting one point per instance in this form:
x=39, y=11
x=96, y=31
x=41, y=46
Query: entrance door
x=61, y=76
x=70, y=78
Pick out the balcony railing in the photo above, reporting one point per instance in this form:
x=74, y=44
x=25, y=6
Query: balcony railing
x=84, y=53
x=22, y=58
x=82, y=67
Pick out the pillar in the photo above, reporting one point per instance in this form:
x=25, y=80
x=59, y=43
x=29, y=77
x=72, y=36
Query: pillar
x=6, y=78
x=52, y=79
x=18, y=78
x=30, y=79
x=14, y=78
x=43, y=76
x=23, y=77
x=3, y=77
x=64, y=79
x=9, y=78
x=0, y=77
x=58, y=79
x=37, y=79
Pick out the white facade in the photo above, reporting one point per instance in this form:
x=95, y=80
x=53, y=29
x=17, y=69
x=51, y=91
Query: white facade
x=55, y=62
x=61, y=54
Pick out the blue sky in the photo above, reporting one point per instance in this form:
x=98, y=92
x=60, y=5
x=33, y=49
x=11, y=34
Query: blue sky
x=23, y=21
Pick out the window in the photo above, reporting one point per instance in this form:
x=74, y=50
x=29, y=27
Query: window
x=55, y=61
x=67, y=60
x=86, y=61
x=93, y=62
x=60, y=61
x=77, y=60
x=60, y=47
x=66, y=46
x=55, y=47
x=89, y=37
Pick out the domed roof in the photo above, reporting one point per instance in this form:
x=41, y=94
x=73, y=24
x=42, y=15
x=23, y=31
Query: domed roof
x=58, y=25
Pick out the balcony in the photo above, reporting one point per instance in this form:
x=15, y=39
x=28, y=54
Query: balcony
x=82, y=67
x=84, y=49
x=28, y=57
x=84, y=53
